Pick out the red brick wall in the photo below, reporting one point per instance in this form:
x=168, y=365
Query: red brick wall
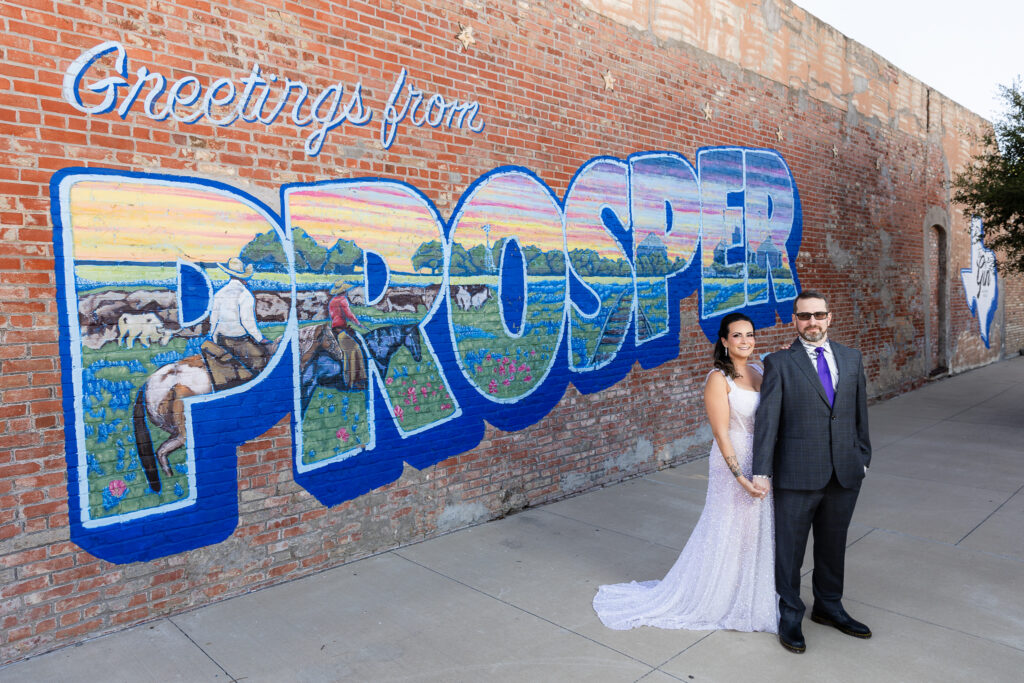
x=870, y=187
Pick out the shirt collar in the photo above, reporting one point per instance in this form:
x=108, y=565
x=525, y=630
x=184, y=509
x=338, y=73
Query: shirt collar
x=810, y=348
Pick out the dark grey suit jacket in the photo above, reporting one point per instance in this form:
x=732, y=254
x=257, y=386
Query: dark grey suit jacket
x=798, y=438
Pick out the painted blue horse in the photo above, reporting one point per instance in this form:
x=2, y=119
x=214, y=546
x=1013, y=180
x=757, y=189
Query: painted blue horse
x=384, y=342
x=322, y=360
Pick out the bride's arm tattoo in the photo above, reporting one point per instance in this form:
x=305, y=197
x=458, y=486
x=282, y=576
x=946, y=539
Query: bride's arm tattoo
x=734, y=466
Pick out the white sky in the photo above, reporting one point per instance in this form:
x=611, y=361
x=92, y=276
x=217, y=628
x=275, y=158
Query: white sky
x=962, y=48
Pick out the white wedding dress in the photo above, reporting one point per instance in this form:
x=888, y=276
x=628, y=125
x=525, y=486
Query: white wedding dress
x=725, y=576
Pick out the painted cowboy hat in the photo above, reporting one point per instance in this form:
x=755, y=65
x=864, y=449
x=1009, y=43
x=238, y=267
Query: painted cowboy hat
x=234, y=268
x=339, y=287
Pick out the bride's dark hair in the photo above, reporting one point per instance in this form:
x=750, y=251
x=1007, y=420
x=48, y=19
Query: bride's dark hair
x=722, y=360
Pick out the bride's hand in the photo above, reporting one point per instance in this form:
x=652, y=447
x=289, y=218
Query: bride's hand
x=749, y=487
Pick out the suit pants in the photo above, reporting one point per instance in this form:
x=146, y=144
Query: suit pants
x=828, y=511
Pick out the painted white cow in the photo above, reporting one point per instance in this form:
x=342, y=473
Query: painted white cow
x=145, y=327
x=469, y=297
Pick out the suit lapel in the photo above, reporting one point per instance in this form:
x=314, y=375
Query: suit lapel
x=803, y=361
x=842, y=363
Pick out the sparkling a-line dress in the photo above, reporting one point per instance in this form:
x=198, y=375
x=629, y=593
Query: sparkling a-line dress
x=725, y=576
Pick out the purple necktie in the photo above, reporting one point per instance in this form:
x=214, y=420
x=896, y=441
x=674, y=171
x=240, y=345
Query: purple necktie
x=825, y=376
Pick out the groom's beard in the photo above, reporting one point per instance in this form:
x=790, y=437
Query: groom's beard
x=812, y=336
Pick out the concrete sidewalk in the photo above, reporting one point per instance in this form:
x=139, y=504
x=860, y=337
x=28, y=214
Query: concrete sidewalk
x=935, y=566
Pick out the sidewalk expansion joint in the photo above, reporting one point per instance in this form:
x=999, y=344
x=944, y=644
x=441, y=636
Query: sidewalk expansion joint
x=935, y=624
x=518, y=608
x=990, y=515
x=201, y=649
x=598, y=527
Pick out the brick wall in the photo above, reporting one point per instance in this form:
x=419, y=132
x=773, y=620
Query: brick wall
x=86, y=544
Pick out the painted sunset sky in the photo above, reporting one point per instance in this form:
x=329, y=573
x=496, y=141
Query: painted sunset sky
x=514, y=205
x=125, y=221
x=389, y=219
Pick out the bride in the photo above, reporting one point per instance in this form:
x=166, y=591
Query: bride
x=725, y=576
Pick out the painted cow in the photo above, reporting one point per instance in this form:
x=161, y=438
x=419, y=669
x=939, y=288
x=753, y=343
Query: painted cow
x=144, y=327
x=470, y=296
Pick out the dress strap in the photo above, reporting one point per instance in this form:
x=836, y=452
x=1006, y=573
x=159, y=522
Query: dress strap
x=728, y=379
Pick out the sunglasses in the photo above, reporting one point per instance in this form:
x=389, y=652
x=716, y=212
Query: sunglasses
x=817, y=315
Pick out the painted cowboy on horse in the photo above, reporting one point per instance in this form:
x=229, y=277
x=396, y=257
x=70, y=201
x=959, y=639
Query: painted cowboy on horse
x=354, y=372
x=237, y=351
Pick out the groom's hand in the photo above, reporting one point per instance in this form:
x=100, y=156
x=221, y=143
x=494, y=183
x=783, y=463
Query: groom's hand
x=762, y=484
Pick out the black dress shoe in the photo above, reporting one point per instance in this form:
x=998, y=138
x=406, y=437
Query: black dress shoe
x=791, y=637
x=842, y=621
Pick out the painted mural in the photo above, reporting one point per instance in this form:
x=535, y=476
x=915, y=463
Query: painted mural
x=981, y=286
x=195, y=318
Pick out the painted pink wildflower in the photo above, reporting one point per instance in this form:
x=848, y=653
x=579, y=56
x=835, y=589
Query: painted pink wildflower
x=423, y=390
x=389, y=381
x=117, y=488
x=417, y=409
x=523, y=368
x=493, y=386
x=528, y=378
x=399, y=412
x=505, y=382
x=342, y=434
x=479, y=369
x=487, y=357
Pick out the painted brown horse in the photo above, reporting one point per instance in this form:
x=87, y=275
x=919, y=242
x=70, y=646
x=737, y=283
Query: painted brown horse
x=162, y=397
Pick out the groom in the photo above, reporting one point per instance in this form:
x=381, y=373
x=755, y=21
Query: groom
x=811, y=439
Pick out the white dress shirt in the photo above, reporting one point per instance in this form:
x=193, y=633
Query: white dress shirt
x=812, y=353
x=233, y=313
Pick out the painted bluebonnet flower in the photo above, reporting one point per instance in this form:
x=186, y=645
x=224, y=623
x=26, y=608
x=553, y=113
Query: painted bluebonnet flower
x=93, y=465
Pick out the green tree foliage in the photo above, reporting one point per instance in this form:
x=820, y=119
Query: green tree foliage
x=474, y=260
x=589, y=262
x=266, y=253
x=343, y=258
x=992, y=187
x=429, y=255
x=309, y=256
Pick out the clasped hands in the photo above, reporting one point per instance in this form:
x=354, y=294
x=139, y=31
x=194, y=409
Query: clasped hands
x=762, y=485
x=758, y=488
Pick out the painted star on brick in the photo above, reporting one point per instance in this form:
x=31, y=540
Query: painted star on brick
x=465, y=36
x=835, y=151
x=779, y=135
x=707, y=111
x=609, y=80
